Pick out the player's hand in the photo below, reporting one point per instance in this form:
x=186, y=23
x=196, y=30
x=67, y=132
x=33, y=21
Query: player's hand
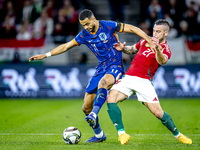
x=119, y=46
x=37, y=57
x=152, y=45
x=156, y=42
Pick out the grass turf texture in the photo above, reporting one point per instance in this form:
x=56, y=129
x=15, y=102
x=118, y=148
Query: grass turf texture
x=38, y=124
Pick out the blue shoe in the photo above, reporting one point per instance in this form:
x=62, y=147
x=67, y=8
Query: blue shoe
x=94, y=139
x=91, y=120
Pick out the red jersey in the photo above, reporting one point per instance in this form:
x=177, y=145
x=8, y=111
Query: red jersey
x=144, y=64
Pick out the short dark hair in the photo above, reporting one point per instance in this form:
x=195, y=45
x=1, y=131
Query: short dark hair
x=85, y=13
x=164, y=23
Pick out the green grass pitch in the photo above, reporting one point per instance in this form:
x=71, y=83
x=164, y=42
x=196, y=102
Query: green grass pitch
x=29, y=124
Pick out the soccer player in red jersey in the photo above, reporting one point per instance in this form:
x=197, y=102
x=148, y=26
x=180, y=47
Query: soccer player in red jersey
x=137, y=80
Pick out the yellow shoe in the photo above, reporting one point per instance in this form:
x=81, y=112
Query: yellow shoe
x=124, y=138
x=184, y=139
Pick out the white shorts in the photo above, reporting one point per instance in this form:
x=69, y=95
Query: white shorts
x=131, y=85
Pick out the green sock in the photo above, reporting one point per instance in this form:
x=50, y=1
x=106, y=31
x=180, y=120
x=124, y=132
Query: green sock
x=168, y=122
x=115, y=116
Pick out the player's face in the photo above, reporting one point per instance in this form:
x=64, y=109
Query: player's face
x=159, y=33
x=89, y=24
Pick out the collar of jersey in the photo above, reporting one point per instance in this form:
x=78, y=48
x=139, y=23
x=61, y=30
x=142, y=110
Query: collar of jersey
x=96, y=28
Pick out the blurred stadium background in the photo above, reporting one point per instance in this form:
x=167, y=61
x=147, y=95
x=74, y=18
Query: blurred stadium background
x=29, y=27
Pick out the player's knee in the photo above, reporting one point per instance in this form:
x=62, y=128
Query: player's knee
x=111, y=99
x=158, y=114
x=103, y=84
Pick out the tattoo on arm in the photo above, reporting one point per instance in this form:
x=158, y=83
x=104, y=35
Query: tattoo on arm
x=130, y=50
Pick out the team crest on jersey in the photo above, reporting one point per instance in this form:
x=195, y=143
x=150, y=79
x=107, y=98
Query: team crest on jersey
x=103, y=37
x=147, y=45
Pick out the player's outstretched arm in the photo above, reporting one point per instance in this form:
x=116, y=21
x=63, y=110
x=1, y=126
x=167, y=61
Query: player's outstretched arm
x=125, y=49
x=132, y=29
x=58, y=50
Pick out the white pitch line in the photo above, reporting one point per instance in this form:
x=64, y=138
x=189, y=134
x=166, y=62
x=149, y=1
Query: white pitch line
x=87, y=134
x=165, y=134
x=30, y=134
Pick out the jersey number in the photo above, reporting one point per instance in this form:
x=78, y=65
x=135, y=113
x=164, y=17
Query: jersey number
x=147, y=52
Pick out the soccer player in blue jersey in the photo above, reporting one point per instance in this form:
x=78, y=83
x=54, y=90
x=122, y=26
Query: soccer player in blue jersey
x=99, y=36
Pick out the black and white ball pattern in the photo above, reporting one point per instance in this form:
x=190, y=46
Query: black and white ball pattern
x=71, y=135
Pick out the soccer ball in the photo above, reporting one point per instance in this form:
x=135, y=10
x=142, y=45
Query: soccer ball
x=71, y=135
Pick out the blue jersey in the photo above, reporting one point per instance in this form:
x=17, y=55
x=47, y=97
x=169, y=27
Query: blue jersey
x=101, y=43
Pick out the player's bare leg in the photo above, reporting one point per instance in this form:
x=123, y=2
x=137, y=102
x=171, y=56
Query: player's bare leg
x=87, y=108
x=167, y=121
x=115, y=114
x=88, y=102
x=106, y=82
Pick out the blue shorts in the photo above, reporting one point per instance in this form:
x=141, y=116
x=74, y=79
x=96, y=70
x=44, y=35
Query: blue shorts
x=117, y=72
